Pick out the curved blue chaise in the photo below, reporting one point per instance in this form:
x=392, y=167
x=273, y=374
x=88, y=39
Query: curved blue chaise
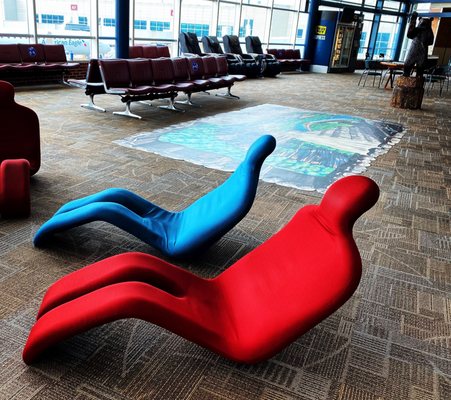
x=176, y=234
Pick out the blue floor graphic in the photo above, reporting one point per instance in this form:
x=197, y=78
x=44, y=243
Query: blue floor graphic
x=313, y=150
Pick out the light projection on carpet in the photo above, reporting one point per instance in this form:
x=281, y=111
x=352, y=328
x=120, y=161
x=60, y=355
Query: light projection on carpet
x=313, y=150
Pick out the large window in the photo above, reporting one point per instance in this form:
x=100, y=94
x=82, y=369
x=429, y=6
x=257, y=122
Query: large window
x=365, y=37
x=283, y=27
x=159, y=17
x=63, y=17
x=228, y=19
x=301, y=29
x=107, y=18
x=254, y=22
x=386, y=39
x=87, y=28
x=287, y=4
x=197, y=17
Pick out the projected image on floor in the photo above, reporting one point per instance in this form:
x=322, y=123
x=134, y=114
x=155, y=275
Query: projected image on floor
x=313, y=150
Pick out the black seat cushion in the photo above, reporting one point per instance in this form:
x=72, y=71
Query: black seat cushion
x=211, y=45
x=189, y=43
x=253, y=45
x=232, y=44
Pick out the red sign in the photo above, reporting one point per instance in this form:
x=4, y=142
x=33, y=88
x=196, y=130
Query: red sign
x=74, y=7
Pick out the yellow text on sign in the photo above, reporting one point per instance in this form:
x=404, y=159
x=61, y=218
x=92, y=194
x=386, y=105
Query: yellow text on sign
x=321, y=30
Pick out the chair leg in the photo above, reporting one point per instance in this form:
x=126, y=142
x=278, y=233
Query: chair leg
x=127, y=112
x=227, y=95
x=188, y=101
x=91, y=105
x=361, y=75
x=364, y=82
x=171, y=106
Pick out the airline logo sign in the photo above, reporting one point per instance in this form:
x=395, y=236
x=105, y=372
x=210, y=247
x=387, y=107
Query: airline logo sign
x=71, y=42
x=320, y=32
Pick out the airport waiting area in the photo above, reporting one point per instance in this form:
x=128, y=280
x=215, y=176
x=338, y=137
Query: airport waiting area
x=225, y=219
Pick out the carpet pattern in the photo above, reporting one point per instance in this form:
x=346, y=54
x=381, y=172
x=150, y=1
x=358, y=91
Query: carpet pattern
x=314, y=149
x=391, y=340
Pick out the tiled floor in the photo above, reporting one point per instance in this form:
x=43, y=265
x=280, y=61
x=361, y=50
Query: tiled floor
x=391, y=340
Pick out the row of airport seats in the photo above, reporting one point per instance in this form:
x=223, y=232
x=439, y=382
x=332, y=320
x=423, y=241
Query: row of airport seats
x=238, y=64
x=270, y=65
x=289, y=59
x=21, y=57
x=148, y=51
x=246, y=64
x=144, y=79
x=253, y=64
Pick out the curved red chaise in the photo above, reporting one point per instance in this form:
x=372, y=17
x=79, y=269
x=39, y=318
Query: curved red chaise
x=14, y=188
x=248, y=313
x=19, y=137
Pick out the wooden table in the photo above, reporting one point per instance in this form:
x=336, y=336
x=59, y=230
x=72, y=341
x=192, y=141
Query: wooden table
x=392, y=66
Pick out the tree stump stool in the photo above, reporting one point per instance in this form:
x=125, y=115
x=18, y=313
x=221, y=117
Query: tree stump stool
x=408, y=92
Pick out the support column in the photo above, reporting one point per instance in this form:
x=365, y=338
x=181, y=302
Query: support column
x=375, y=29
x=401, y=33
x=400, y=38
x=122, y=28
x=311, y=25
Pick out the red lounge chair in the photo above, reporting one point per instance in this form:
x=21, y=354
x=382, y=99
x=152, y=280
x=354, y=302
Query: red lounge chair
x=15, y=188
x=19, y=137
x=248, y=313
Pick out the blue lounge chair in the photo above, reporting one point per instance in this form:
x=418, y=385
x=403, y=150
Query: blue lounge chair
x=177, y=234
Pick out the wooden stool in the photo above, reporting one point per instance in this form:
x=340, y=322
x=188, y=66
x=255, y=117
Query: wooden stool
x=408, y=92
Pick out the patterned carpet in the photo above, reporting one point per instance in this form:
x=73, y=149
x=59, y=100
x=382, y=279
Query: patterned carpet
x=313, y=150
x=391, y=340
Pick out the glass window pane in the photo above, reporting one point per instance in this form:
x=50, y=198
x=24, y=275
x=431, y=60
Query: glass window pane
x=423, y=7
x=13, y=17
x=107, y=18
x=365, y=37
x=107, y=48
x=14, y=39
x=328, y=8
x=63, y=17
x=354, y=2
x=197, y=17
x=229, y=15
x=254, y=22
x=388, y=18
x=302, y=29
x=287, y=4
x=385, y=39
x=76, y=48
x=391, y=5
x=266, y=3
x=159, y=18
x=283, y=25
